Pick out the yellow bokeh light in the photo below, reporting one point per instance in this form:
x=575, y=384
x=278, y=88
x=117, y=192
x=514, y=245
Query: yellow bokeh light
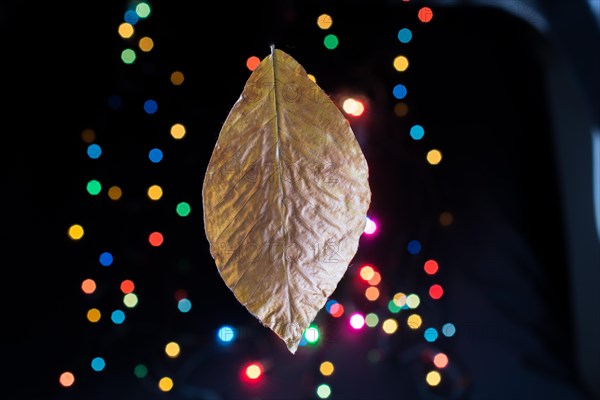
x=312, y=78
x=372, y=293
x=126, y=30
x=115, y=193
x=253, y=371
x=155, y=192
x=399, y=299
x=88, y=135
x=367, y=272
x=433, y=378
x=172, y=349
x=178, y=131
x=434, y=157
x=326, y=368
x=165, y=384
x=146, y=44
x=93, y=315
x=177, y=78
x=414, y=321
x=400, y=63
x=390, y=326
x=76, y=232
x=324, y=21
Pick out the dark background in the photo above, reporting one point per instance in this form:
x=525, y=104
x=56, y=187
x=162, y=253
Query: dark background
x=476, y=83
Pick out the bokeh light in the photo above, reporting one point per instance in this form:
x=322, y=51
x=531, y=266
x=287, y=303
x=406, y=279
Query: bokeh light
x=425, y=14
x=331, y=41
x=366, y=272
x=66, y=379
x=372, y=293
x=93, y=187
x=417, y=132
x=88, y=286
x=436, y=291
x=115, y=193
x=370, y=226
x=165, y=384
x=433, y=378
x=357, y=321
x=140, y=371
x=117, y=317
x=337, y=310
x=440, y=360
x=401, y=109
x=155, y=155
x=399, y=91
x=434, y=156
x=146, y=44
x=94, y=151
x=413, y=301
x=371, y=320
x=125, y=30
x=183, y=209
x=353, y=107
x=312, y=334
x=323, y=391
x=130, y=300
x=127, y=286
x=172, y=349
x=390, y=326
x=430, y=334
x=177, y=131
x=150, y=106
x=226, y=334
x=375, y=280
x=431, y=267
x=401, y=63
x=142, y=9
x=252, y=63
x=404, y=35
x=93, y=315
x=156, y=239
x=448, y=329
x=326, y=368
x=253, y=371
x=184, y=305
x=414, y=321
x=106, y=259
x=128, y=56
x=324, y=21
x=446, y=218
x=155, y=192
x=177, y=78
x=414, y=247
x=98, y=364
x=88, y=135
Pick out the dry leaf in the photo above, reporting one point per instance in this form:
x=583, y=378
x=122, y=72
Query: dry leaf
x=285, y=197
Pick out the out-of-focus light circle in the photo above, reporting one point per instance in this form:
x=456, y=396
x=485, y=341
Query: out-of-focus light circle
x=357, y=321
x=127, y=286
x=140, y=371
x=370, y=226
x=155, y=192
x=331, y=42
x=142, y=10
x=401, y=63
x=353, y=107
x=399, y=91
x=371, y=320
x=253, y=371
x=312, y=334
x=448, y=329
x=177, y=131
x=417, y=132
x=177, y=78
x=130, y=300
x=88, y=286
x=117, y=317
x=372, y=293
x=172, y=349
x=436, y=291
x=414, y=247
x=184, y=305
x=98, y=364
x=414, y=321
x=375, y=280
x=125, y=30
x=183, y=209
x=115, y=193
x=128, y=56
x=150, y=106
x=393, y=307
x=434, y=156
x=94, y=151
x=323, y=391
x=66, y=379
x=404, y=35
x=131, y=16
x=93, y=187
x=399, y=299
x=366, y=272
x=431, y=267
x=156, y=239
x=430, y=334
x=446, y=218
x=88, y=135
x=425, y=14
x=252, y=63
x=324, y=21
x=226, y=334
x=337, y=310
x=106, y=259
x=440, y=360
x=389, y=326
x=165, y=384
x=413, y=301
x=433, y=378
x=180, y=294
x=326, y=368
x=146, y=44
x=400, y=109
x=155, y=155
x=93, y=315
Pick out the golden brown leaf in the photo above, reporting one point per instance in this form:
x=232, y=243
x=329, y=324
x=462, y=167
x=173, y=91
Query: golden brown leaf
x=285, y=197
